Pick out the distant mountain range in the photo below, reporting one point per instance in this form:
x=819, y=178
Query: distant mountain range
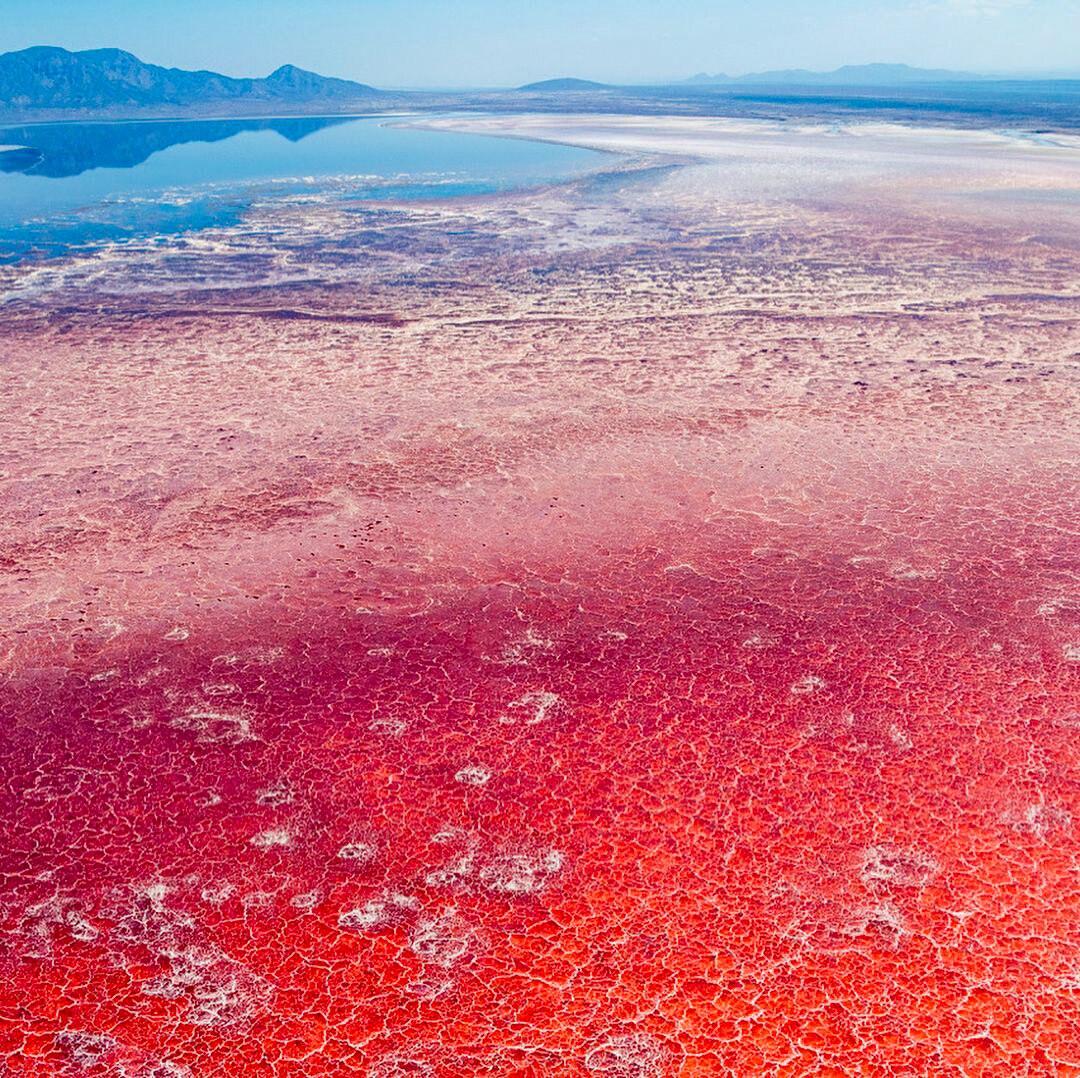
x=46, y=83
x=45, y=79
x=849, y=75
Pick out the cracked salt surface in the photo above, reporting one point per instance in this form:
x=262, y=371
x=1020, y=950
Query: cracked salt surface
x=416, y=759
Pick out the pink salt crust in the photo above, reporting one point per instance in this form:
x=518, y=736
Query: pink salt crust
x=609, y=632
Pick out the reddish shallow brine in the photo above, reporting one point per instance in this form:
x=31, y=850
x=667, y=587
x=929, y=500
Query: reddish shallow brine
x=653, y=655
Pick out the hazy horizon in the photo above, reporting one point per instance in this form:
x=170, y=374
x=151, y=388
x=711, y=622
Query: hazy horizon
x=482, y=43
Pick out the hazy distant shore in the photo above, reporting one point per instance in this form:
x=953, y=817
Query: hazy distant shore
x=1051, y=106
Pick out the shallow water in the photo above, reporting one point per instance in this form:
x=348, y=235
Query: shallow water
x=98, y=182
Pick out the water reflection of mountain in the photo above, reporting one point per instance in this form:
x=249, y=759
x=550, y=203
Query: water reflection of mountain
x=18, y=158
x=59, y=150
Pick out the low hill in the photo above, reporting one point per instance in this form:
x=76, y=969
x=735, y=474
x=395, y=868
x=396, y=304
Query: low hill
x=557, y=86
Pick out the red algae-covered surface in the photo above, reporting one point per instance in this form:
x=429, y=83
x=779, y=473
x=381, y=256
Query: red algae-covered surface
x=628, y=630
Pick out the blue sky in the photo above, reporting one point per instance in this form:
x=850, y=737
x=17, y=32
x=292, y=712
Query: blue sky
x=506, y=42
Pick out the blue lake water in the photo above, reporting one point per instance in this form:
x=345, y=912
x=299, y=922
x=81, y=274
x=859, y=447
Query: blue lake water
x=75, y=185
